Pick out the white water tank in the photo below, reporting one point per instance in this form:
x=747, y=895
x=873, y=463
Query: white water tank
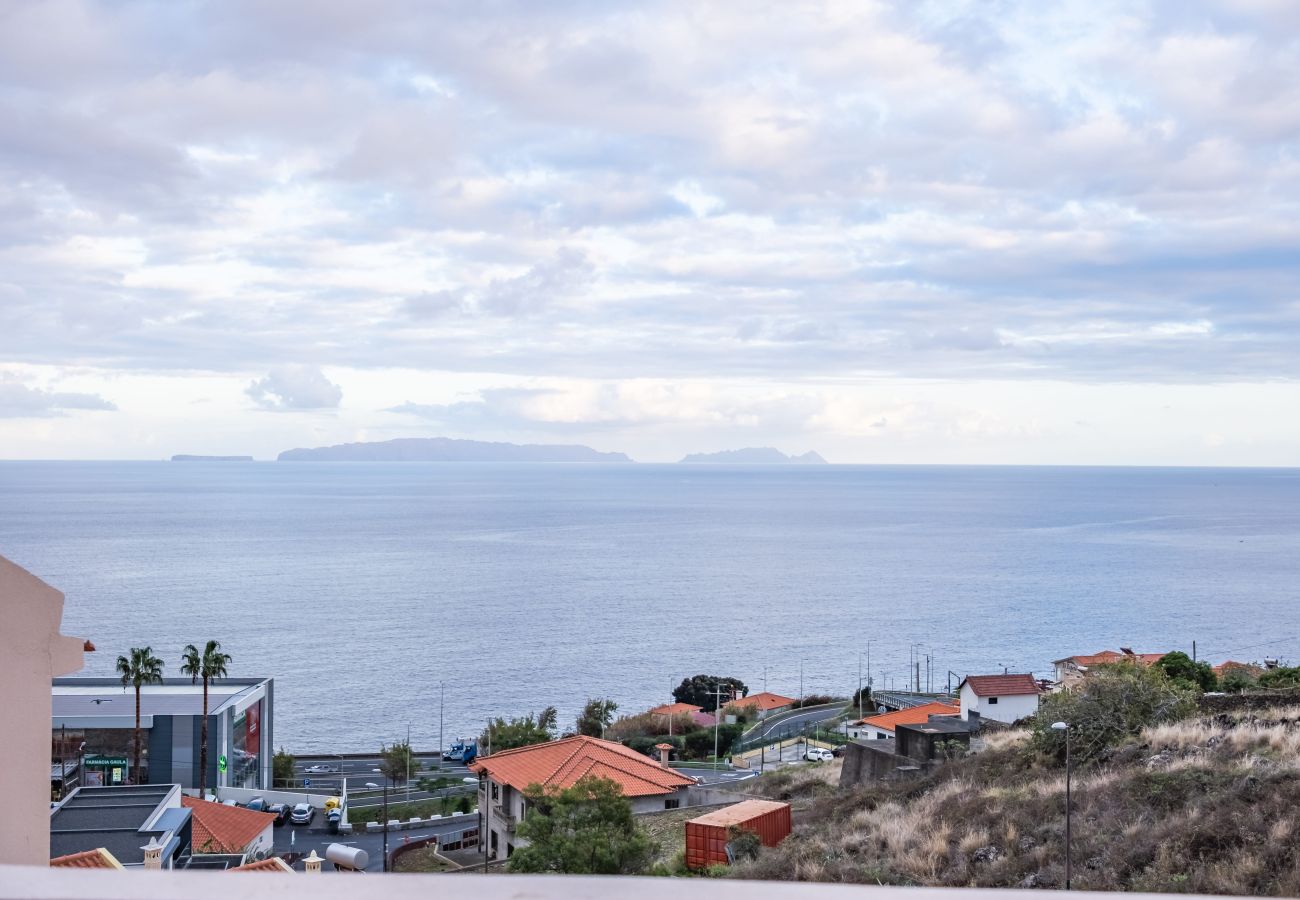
x=347, y=857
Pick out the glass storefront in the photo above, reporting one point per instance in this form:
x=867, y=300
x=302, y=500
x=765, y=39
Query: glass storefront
x=244, y=762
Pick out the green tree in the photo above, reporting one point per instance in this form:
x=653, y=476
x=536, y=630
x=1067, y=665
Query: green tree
x=1237, y=680
x=209, y=664
x=1182, y=668
x=503, y=734
x=595, y=717
x=282, y=767
x=587, y=829
x=700, y=690
x=396, y=762
x=137, y=670
x=1284, y=677
x=698, y=744
x=1112, y=703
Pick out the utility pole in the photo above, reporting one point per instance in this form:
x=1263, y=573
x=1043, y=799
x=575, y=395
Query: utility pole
x=442, y=697
x=859, y=684
x=801, y=684
x=1193, y=651
x=408, y=767
x=717, y=693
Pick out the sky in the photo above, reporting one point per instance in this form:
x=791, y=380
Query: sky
x=930, y=232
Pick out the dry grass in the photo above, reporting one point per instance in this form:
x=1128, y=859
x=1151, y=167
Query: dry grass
x=1207, y=805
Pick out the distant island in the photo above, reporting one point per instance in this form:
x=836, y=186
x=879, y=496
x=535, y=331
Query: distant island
x=189, y=457
x=442, y=449
x=757, y=456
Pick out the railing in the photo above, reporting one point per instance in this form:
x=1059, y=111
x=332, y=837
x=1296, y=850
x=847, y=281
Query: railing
x=501, y=815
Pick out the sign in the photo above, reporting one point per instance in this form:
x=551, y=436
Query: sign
x=221, y=762
x=106, y=761
x=306, y=782
x=253, y=729
x=117, y=776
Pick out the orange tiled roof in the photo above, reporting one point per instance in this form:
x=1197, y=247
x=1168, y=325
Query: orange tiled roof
x=1224, y=668
x=675, y=709
x=270, y=864
x=559, y=764
x=1111, y=656
x=1001, y=685
x=87, y=859
x=764, y=701
x=218, y=828
x=914, y=715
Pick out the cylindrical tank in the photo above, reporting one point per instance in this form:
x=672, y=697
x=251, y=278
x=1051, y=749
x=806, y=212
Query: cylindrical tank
x=708, y=835
x=347, y=857
x=332, y=802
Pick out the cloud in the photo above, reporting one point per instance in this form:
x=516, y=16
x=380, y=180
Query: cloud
x=18, y=401
x=295, y=388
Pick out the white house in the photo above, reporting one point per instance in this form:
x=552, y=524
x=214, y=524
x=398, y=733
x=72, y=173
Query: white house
x=1002, y=698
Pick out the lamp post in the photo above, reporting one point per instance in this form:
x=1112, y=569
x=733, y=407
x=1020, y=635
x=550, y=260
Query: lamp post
x=1065, y=726
x=442, y=697
x=373, y=786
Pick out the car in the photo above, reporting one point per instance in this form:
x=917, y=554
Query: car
x=320, y=770
x=281, y=811
x=257, y=804
x=837, y=751
x=817, y=754
x=302, y=814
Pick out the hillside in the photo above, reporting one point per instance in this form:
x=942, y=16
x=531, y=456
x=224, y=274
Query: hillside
x=441, y=449
x=756, y=456
x=1209, y=804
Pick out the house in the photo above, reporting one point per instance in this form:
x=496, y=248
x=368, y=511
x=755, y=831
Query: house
x=676, y=709
x=1224, y=669
x=1002, y=698
x=229, y=830
x=764, y=704
x=556, y=765
x=1070, y=669
x=882, y=727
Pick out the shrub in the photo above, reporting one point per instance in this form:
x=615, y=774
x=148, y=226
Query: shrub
x=812, y=700
x=1114, y=702
x=1183, y=669
x=1285, y=677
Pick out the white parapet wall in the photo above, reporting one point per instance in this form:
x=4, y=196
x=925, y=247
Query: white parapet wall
x=243, y=795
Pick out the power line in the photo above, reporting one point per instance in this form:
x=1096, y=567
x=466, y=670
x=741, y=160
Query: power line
x=1256, y=646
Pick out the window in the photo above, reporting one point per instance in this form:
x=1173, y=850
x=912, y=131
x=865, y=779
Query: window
x=880, y=736
x=496, y=791
x=672, y=803
x=993, y=701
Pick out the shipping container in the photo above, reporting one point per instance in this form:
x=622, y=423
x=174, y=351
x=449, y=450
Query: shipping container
x=707, y=835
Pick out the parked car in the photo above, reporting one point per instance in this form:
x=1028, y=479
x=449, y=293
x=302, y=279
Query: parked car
x=837, y=751
x=257, y=804
x=281, y=811
x=302, y=814
x=817, y=754
x=320, y=770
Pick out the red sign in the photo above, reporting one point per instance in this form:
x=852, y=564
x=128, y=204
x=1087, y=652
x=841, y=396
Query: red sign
x=253, y=729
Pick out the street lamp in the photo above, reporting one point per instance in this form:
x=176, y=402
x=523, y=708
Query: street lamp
x=375, y=787
x=1065, y=726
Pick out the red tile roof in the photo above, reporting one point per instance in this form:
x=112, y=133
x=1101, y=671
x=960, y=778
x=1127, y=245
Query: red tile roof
x=704, y=719
x=1112, y=656
x=560, y=764
x=87, y=859
x=914, y=715
x=1224, y=668
x=765, y=701
x=1001, y=685
x=270, y=864
x=218, y=828
x=675, y=709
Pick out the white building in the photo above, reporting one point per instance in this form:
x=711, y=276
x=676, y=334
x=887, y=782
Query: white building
x=555, y=765
x=1002, y=698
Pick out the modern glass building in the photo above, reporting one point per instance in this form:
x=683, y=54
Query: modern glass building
x=93, y=721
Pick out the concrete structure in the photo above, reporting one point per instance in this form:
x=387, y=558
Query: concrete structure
x=1002, y=698
x=122, y=820
x=32, y=652
x=882, y=727
x=101, y=713
x=555, y=765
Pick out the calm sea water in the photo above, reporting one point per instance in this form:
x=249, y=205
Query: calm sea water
x=362, y=586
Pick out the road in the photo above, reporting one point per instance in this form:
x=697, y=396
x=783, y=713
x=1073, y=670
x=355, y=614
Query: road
x=305, y=838
x=791, y=725
x=359, y=772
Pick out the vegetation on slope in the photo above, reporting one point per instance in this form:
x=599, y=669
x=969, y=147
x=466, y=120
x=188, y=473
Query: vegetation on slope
x=1207, y=804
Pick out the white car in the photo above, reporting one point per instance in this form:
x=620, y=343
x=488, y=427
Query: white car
x=817, y=754
x=320, y=770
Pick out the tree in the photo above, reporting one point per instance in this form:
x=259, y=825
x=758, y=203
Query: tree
x=1182, y=668
x=282, y=767
x=699, y=743
x=1283, y=677
x=504, y=734
x=700, y=690
x=137, y=670
x=595, y=717
x=1112, y=703
x=209, y=664
x=862, y=697
x=586, y=829
x=396, y=763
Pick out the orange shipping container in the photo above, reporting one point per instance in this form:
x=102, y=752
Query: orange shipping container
x=707, y=835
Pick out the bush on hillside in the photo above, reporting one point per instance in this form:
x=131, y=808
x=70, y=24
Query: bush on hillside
x=1183, y=669
x=1113, y=703
x=1285, y=677
x=812, y=700
x=698, y=744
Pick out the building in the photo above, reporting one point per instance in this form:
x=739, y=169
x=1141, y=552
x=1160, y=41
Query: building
x=229, y=830
x=1070, y=669
x=121, y=821
x=98, y=858
x=1002, y=698
x=764, y=704
x=556, y=765
x=100, y=714
x=882, y=727
x=675, y=709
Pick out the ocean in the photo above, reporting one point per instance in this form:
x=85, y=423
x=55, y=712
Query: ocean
x=363, y=587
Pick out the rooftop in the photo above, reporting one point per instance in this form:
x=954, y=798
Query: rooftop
x=738, y=812
x=560, y=764
x=765, y=701
x=270, y=864
x=118, y=819
x=675, y=709
x=912, y=715
x=1001, y=685
x=99, y=697
x=224, y=829
x=99, y=858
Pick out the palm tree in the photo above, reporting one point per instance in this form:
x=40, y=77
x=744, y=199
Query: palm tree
x=207, y=665
x=141, y=668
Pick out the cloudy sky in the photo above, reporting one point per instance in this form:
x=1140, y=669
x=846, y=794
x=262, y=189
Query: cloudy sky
x=977, y=232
